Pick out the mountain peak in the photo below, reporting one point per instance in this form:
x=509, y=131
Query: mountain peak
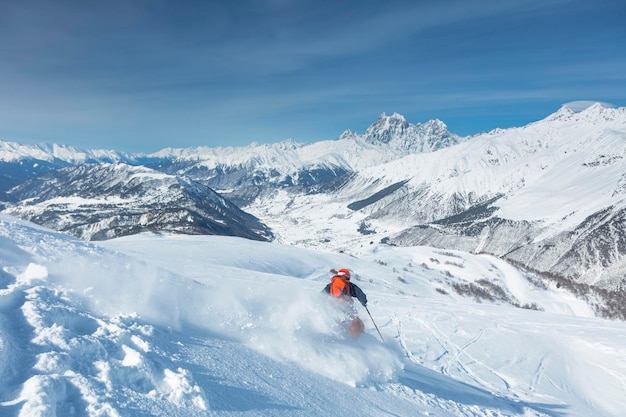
x=394, y=130
x=584, y=105
x=348, y=134
x=587, y=110
x=386, y=128
x=394, y=117
x=563, y=113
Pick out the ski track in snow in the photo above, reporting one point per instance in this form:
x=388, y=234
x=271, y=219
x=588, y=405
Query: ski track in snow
x=197, y=326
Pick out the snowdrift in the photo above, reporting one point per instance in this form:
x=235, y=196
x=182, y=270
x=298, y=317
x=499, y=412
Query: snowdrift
x=196, y=326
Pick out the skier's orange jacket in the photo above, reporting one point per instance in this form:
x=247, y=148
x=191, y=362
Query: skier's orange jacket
x=339, y=287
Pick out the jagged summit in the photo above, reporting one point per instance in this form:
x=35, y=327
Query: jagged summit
x=386, y=128
x=397, y=133
x=348, y=134
x=427, y=137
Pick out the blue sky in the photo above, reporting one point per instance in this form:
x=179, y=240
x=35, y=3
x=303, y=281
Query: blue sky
x=141, y=75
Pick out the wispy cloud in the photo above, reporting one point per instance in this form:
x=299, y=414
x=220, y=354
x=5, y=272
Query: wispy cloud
x=94, y=69
x=581, y=105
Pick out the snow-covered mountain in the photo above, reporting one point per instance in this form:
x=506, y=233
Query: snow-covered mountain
x=182, y=325
x=12, y=151
x=240, y=174
x=186, y=326
x=102, y=201
x=21, y=162
x=550, y=196
x=397, y=132
x=243, y=174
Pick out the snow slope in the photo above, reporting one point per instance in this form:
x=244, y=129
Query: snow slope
x=207, y=325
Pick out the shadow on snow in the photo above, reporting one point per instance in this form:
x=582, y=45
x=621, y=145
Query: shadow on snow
x=444, y=387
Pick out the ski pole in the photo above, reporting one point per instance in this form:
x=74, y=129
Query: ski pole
x=368, y=312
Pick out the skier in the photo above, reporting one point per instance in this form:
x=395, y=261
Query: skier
x=343, y=292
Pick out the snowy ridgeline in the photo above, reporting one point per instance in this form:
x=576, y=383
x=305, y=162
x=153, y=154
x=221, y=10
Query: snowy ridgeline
x=206, y=325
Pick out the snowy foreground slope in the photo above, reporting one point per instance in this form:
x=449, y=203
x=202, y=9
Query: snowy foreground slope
x=218, y=326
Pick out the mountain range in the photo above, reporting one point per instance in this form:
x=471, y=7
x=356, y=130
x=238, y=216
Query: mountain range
x=103, y=201
x=549, y=197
